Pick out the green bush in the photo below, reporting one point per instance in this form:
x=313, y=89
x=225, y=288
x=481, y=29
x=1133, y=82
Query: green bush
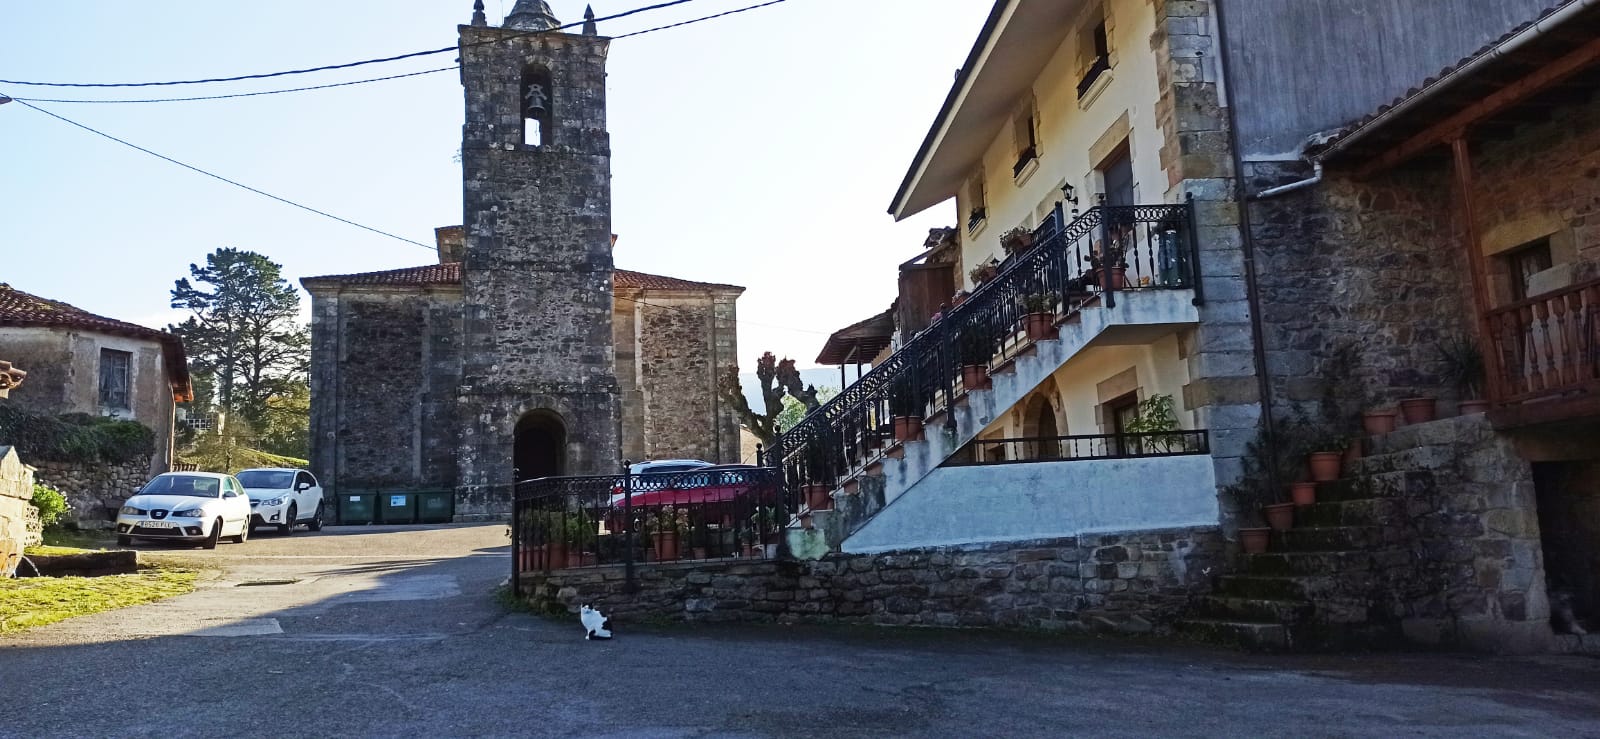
x=75, y=437
x=52, y=505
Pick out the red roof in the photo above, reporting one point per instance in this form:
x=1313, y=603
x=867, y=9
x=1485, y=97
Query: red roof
x=449, y=273
x=21, y=309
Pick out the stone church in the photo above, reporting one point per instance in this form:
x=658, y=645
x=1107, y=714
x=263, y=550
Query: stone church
x=523, y=352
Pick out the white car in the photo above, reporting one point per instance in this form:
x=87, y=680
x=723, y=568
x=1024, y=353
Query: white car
x=641, y=474
x=188, y=506
x=283, y=497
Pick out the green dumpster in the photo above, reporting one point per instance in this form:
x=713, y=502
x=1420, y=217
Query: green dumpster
x=436, y=506
x=397, y=507
x=356, y=507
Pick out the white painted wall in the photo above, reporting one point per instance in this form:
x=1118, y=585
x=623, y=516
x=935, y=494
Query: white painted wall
x=1044, y=500
x=1158, y=366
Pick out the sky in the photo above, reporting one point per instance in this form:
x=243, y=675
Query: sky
x=760, y=149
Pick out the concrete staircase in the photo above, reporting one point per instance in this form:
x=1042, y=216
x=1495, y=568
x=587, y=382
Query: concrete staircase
x=882, y=479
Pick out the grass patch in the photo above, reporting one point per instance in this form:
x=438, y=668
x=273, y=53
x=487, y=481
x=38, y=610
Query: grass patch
x=35, y=601
x=54, y=551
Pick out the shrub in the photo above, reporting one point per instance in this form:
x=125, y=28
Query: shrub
x=75, y=437
x=52, y=505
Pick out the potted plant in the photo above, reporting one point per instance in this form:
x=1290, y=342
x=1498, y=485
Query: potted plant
x=581, y=535
x=1303, y=493
x=1038, y=321
x=1101, y=259
x=906, y=409
x=1463, y=366
x=1378, y=422
x=666, y=527
x=747, y=543
x=975, y=350
x=533, y=549
x=1419, y=410
x=1017, y=240
x=765, y=529
x=1280, y=516
x=1254, y=540
x=818, y=497
x=958, y=298
x=1153, y=423
x=984, y=272
x=1327, y=466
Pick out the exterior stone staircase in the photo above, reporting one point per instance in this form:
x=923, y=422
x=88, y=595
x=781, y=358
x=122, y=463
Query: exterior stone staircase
x=882, y=479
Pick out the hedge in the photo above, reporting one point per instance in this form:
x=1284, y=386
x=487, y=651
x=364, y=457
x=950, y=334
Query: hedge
x=75, y=437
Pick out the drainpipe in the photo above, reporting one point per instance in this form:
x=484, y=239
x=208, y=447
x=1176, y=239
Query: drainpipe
x=1247, y=240
x=1314, y=179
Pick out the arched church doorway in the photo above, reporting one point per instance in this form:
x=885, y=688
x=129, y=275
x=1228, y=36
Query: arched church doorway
x=1040, y=424
x=540, y=446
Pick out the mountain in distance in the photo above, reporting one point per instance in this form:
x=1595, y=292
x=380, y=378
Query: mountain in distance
x=819, y=376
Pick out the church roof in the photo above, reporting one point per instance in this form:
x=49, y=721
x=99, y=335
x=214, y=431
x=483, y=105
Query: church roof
x=449, y=273
x=21, y=309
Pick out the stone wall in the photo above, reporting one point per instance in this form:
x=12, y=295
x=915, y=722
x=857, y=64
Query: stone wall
x=1134, y=582
x=680, y=340
x=94, y=490
x=16, y=489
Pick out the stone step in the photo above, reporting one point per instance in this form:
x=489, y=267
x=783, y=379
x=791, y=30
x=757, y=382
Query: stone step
x=1271, y=587
x=1442, y=431
x=1404, y=460
x=1252, y=635
x=1357, y=512
x=1285, y=564
x=1264, y=610
x=1326, y=539
x=1398, y=484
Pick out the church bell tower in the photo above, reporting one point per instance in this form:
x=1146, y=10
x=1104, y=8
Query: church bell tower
x=538, y=394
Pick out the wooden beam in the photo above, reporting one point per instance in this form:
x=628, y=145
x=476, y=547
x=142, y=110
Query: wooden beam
x=1454, y=127
x=1475, y=264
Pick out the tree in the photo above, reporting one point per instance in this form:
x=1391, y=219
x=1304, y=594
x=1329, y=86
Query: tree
x=795, y=411
x=242, y=333
x=778, y=379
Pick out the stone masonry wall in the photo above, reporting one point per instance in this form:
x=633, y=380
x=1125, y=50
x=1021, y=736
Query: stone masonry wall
x=95, y=491
x=16, y=489
x=1134, y=583
x=682, y=411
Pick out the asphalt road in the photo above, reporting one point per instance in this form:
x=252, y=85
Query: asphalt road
x=383, y=632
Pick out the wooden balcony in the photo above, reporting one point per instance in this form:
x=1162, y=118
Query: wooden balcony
x=1544, y=364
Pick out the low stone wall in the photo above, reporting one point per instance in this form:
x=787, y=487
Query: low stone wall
x=16, y=490
x=1133, y=582
x=94, y=490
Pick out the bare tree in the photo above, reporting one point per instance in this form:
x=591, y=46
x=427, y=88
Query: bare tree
x=777, y=379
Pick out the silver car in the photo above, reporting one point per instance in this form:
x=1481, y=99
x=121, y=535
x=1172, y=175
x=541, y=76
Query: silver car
x=198, y=507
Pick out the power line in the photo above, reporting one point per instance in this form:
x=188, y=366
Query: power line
x=697, y=20
x=348, y=65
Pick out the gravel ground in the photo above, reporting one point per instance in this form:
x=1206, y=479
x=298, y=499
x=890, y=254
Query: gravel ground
x=384, y=631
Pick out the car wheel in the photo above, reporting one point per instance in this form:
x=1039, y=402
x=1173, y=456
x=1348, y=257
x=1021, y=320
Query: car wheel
x=216, y=535
x=316, y=521
x=287, y=527
x=243, y=535
x=123, y=541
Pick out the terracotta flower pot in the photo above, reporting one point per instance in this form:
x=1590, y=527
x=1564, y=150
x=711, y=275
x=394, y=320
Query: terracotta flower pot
x=1419, y=410
x=579, y=559
x=1325, y=466
x=1255, y=540
x=1303, y=493
x=907, y=428
x=1378, y=422
x=975, y=377
x=1039, y=326
x=665, y=545
x=558, y=555
x=1119, y=278
x=1280, y=516
x=805, y=521
x=1469, y=407
x=817, y=497
x=531, y=557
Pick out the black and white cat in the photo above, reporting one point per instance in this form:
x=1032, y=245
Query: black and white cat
x=595, y=624
x=1563, y=615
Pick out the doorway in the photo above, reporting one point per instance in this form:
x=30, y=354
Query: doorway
x=540, y=448
x=1041, y=422
x=1568, y=505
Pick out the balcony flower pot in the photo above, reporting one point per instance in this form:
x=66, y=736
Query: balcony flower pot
x=1280, y=516
x=817, y=497
x=664, y=545
x=1119, y=278
x=1303, y=493
x=1419, y=410
x=1039, y=326
x=907, y=428
x=1255, y=540
x=1378, y=422
x=805, y=521
x=974, y=377
x=1469, y=407
x=1325, y=466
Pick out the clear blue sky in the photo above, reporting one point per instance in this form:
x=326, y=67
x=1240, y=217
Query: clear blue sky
x=760, y=149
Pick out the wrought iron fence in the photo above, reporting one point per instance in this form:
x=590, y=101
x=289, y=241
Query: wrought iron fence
x=1082, y=447
x=1107, y=250
x=722, y=512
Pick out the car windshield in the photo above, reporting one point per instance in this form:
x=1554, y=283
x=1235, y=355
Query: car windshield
x=271, y=479
x=194, y=486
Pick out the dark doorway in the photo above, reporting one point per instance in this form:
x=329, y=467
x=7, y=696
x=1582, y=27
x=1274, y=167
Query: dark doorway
x=1044, y=429
x=1117, y=171
x=1568, y=495
x=541, y=446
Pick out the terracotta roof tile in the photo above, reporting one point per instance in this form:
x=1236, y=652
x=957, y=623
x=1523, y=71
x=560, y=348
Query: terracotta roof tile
x=449, y=273
x=21, y=309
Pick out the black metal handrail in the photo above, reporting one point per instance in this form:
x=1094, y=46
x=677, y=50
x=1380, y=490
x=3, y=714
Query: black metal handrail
x=1081, y=447
x=1106, y=250
x=592, y=521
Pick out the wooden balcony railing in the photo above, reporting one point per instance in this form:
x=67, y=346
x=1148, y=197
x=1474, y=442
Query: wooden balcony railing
x=1546, y=345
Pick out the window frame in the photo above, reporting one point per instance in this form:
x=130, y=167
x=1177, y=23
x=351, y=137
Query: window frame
x=1517, y=259
x=107, y=395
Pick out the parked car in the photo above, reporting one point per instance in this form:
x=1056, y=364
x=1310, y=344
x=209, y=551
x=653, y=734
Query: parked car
x=652, y=475
x=187, y=506
x=712, y=492
x=283, y=497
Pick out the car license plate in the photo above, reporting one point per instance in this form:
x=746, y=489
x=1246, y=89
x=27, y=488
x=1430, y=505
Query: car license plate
x=158, y=524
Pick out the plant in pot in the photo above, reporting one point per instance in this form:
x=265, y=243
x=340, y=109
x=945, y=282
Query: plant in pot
x=667, y=527
x=1378, y=421
x=533, y=549
x=984, y=272
x=747, y=543
x=765, y=529
x=1101, y=259
x=1153, y=424
x=818, y=473
x=975, y=350
x=1017, y=240
x=1419, y=410
x=1327, y=462
x=958, y=298
x=1038, y=319
x=581, y=535
x=1254, y=493
x=1462, y=365
x=906, y=407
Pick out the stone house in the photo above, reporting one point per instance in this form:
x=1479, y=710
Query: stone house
x=1199, y=198
x=523, y=352
x=79, y=362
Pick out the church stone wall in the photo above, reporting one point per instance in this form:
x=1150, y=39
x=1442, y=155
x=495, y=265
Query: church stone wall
x=669, y=346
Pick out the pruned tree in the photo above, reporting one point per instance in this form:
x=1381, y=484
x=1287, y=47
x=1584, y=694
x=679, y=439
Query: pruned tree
x=777, y=379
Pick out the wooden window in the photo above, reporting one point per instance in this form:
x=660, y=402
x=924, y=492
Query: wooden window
x=114, y=369
x=1116, y=173
x=1526, y=261
x=1025, y=130
x=977, y=202
x=1096, y=56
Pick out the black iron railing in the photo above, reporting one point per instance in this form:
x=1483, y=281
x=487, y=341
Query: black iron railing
x=1107, y=250
x=718, y=512
x=1082, y=447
